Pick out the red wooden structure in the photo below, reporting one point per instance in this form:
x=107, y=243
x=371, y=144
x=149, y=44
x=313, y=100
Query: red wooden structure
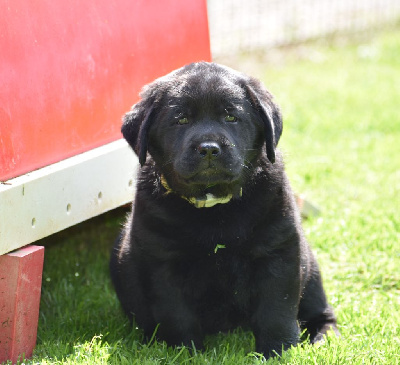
x=70, y=69
x=68, y=72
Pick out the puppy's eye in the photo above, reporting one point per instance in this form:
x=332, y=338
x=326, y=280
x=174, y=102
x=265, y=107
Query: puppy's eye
x=182, y=120
x=230, y=118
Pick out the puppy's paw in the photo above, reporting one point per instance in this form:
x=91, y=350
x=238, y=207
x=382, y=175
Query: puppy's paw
x=319, y=337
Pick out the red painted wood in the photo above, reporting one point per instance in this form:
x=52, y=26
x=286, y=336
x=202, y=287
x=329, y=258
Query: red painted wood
x=70, y=69
x=20, y=286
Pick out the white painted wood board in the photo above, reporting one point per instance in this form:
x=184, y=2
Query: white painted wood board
x=61, y=195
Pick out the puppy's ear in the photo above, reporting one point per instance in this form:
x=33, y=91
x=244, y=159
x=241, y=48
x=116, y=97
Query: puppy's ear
x=135, y=127
x=269, y=113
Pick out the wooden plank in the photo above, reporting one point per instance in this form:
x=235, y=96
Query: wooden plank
x=20, y=287
x=58, y=196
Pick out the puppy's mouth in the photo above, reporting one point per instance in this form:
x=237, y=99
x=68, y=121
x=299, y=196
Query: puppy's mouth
x=219, y=182
x=210, y=176
x=206, y=195
x=208, y=182
x=213, y=181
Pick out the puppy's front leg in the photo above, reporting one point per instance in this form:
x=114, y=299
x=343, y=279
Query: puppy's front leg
x=178, y=323
x=274, y=319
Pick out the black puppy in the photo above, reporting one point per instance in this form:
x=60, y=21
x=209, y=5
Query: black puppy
x=214, y=240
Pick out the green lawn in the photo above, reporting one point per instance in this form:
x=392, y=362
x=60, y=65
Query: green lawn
x=341, y=140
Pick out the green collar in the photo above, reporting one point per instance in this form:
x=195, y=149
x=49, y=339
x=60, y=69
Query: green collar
x=207, y=202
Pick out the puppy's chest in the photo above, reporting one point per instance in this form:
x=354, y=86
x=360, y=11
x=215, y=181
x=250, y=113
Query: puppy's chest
x=221, y=276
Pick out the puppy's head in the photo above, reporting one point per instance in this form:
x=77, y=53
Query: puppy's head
x=205, y=126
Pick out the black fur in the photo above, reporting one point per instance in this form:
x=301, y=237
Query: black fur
x=196, y=271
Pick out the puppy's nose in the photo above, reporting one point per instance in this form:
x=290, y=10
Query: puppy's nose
x=210, y=150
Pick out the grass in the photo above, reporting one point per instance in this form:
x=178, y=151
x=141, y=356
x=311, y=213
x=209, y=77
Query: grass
x=342, y=145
